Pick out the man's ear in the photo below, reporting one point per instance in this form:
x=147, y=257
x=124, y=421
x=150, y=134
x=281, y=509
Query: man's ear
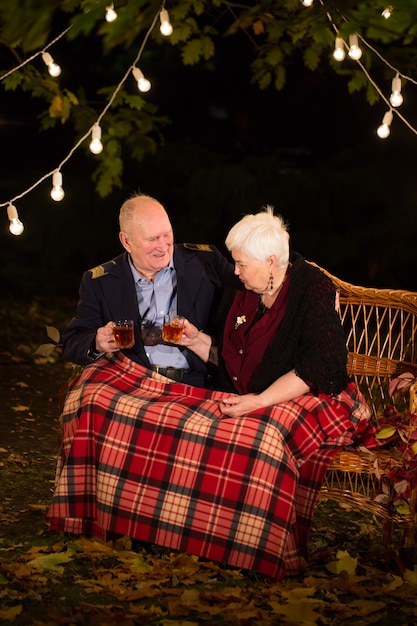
x=124, y=241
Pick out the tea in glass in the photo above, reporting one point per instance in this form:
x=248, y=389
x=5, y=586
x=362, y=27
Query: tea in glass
x=172, y=328
x=124, y=334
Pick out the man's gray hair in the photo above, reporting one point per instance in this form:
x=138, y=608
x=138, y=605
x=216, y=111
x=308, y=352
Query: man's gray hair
x=127, y=210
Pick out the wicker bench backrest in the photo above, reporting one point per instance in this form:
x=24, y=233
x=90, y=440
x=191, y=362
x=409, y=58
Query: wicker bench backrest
x=381, y=336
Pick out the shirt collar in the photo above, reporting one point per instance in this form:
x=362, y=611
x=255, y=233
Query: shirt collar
x=138, y=278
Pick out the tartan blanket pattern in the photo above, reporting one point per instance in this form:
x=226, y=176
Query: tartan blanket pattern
x=150, y=458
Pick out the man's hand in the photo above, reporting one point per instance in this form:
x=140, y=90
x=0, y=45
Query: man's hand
x=105, y=339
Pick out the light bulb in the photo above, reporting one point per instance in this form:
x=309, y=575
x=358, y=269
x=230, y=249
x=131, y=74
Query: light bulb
x=166, y=26
x=57, y=193
x=96, y=146
x=16, y=227
x=383, y=131
x=307, y=3
x=111, y=14
x=355, y=52
x=387, y=12
x=143, y=83
x=339, y=49
x=53, y=68
x=396, y=98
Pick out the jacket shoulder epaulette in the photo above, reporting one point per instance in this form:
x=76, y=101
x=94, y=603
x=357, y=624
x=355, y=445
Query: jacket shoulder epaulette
x=101, y=270
x=198, y=247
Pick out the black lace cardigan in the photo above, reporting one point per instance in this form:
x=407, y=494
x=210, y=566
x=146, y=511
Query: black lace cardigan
x=310, y=339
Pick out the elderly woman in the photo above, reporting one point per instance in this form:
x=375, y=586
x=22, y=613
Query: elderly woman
x=231, y=475
x=282, y=335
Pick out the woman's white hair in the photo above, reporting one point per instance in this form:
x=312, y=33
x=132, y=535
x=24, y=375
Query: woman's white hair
x=259, y=235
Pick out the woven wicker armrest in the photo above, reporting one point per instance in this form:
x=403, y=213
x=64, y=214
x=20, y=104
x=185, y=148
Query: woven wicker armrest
x=381, y=338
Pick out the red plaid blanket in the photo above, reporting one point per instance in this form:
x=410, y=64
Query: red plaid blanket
x=151, y=459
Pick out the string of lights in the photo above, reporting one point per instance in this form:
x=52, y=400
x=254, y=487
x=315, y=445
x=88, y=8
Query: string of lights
x=353, y=50
x=355, y=53
x=34, y=56
x=16, y=227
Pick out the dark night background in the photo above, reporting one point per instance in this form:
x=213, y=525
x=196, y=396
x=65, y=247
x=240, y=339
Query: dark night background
x=310, y=150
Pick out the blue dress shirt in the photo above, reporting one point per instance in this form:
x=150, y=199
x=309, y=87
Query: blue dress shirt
x=155, y=299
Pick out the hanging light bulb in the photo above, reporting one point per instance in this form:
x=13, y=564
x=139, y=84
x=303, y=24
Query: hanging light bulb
x=387, y=12
x=307, y=3
x=53, y=68
x=111, y=14
x=143, y=83
x=339, y=49
x=383, y=131
x=57, y=192
x=166, y=26
x=355, y=52
x=16, y=227
x=96, y=146
x=396, y=98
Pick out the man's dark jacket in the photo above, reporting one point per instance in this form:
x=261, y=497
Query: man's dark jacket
x=107, y=292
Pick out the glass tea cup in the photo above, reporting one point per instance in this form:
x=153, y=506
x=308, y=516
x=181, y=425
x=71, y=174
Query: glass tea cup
x=124, y=334
x=172, y=328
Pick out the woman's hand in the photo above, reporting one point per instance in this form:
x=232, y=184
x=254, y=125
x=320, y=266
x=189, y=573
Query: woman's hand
x=237, y=406
x=190, y=333
x=196, y=340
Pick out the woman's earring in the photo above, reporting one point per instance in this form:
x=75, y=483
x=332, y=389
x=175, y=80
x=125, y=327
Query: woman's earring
x=271, y=281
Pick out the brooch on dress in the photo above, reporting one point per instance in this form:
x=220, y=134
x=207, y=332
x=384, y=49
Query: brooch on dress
x=241, y=319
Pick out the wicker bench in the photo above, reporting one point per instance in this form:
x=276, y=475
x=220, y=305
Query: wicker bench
x=381, y=330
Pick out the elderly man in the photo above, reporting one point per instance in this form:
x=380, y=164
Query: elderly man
x=152, y=277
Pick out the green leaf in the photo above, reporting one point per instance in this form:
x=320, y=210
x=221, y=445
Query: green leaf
x=120, y=128
x=280, y=76
x=207, y=47
x=14, y=80
x=312, y=58
x=135, y=102
x=402, y=507
x=274, y=56
x=27, y=26
x=196, y=49
x=183, y=32
x=52, y=562
x=386, y=432
x=71, y=97
x=108, y=175
x=263, y=79
x=112, y=148
x=357, y=82
x=83, y=22
x=344, y=563
x=45, y=349
x=8, y=613
x=53, y=333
